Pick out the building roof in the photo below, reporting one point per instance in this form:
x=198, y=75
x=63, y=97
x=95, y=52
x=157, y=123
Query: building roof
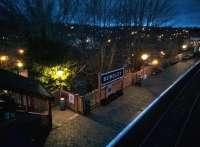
x=16, y=83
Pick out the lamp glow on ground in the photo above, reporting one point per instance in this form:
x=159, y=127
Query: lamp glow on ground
x=155, y=62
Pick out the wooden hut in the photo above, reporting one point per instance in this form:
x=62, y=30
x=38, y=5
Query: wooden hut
x=25, y=91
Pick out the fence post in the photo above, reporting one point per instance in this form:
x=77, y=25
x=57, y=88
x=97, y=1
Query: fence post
x=81, y=104
x=99, y=85
x=76, y=103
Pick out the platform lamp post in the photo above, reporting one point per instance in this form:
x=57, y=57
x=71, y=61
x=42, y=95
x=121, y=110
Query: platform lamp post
x=184, y=46
x=3, y=59
x=144, y=58
x=61, y=99
x=21, y=51
x=155, y=62
x=19, y=65
x=60, y=73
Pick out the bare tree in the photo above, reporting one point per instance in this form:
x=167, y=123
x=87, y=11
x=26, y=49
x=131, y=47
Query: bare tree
x=159, y=12
x=142, y=13
x=44, y=21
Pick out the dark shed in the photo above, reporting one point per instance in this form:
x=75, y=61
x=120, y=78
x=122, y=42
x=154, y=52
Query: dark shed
x=16, y=83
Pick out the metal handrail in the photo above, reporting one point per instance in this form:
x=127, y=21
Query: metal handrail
x=150, y=107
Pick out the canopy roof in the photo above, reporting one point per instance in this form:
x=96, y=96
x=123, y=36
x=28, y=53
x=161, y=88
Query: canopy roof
x=16, y=83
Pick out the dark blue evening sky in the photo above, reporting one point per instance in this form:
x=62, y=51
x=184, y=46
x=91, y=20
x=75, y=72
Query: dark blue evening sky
x=188, y=13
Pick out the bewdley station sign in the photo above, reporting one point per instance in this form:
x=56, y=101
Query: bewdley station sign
x=110, y=77
x=111, y=85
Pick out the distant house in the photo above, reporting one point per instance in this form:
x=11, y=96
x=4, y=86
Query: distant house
x=195, y=43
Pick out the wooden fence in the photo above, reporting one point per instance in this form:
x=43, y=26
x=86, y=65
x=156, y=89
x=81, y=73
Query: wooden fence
x=85, y=104
x=95, y=97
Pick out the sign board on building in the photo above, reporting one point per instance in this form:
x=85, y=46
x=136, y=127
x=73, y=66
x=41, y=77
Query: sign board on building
x=109, y=90
x=71, y=98
x=109, y=77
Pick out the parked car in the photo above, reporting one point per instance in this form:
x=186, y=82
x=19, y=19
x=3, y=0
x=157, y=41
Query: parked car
x=188, y=56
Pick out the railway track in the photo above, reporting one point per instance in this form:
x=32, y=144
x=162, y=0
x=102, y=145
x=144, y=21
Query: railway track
x=170, y=130
x=171, y=120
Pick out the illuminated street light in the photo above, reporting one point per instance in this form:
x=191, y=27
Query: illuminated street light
x=155, y=62
x=143, y=29
x=184, y=46
x=62, y=99
x=144, y=57
x=20, y=64
x=163, y=53
x=88, y=40
x=3, y=58
x=60, y=73
x=72, y=27
x=21, y=51
x=134, y=32
x=109, y=40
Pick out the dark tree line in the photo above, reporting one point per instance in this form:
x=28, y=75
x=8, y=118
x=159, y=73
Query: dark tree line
x=49, y=38
x=43, y=21
x=93, y=12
